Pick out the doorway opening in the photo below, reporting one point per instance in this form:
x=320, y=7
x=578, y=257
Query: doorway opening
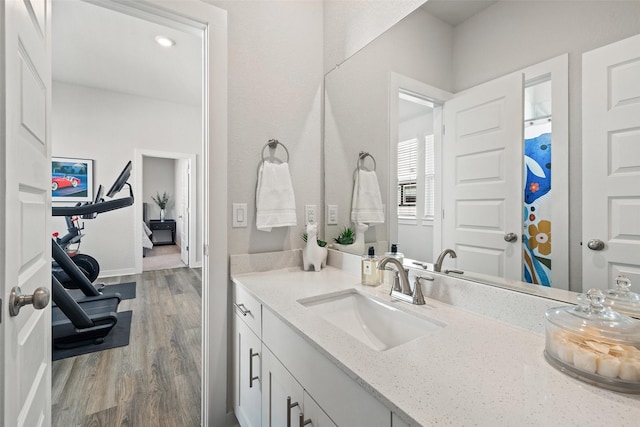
x=130, y=126
x=170, y=183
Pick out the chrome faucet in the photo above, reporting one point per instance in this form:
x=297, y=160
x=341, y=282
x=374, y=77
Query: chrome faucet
x=402, y=273
x=404, y=290
x=438, y=265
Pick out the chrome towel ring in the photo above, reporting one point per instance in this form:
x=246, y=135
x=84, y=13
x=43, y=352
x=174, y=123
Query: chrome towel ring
x=273, y=144
x=361, y=158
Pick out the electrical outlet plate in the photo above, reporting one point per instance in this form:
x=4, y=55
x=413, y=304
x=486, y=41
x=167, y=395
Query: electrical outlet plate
x=332, y=215
x=311, y=214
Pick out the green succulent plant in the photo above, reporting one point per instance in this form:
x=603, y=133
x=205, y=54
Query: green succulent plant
x=321, y=243
x=346, y=237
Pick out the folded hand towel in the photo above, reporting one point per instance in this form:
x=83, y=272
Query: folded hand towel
x=275, y=202
x=366, y=206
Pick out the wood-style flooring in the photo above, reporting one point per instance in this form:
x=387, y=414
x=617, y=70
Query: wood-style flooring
x=155, y=380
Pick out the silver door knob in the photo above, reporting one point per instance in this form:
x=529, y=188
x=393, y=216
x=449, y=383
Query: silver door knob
x=595, y=244
x=510, y=237
x=39, y=299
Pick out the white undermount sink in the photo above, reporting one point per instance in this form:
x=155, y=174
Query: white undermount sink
x=375, y=323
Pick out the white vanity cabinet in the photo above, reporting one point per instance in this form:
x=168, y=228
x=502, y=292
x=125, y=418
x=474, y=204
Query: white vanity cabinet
x=338, y=395
x=284, y=401
x=247, y=354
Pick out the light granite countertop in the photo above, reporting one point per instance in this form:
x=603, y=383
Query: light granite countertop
x=474, y=371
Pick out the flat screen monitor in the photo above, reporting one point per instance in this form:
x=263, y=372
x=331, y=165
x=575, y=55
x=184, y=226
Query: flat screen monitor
x=120, y=181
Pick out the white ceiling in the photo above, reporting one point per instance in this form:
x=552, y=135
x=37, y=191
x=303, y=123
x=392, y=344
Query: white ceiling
x=455, y=12
x=97, y=47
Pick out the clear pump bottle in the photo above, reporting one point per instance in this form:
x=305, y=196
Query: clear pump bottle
x=387, y=275
x=370, y=274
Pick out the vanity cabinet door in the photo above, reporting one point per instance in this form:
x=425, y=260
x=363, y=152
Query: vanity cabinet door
x=247, y=374
x=282, y=400
x=315, y=414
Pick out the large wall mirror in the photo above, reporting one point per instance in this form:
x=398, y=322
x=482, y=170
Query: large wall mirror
x=438, y=101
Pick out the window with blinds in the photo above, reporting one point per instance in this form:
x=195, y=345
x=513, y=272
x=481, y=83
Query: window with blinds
x=407, y=178
x=429, y=177
x=409, y=183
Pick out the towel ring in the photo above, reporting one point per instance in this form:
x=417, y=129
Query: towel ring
x=273, y=144
x=363, y=155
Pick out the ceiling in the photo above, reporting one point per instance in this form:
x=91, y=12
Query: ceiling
x=97, y=47
x=455, y=12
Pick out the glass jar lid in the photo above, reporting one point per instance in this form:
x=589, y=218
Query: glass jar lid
x=593, y=318
x=622, y=299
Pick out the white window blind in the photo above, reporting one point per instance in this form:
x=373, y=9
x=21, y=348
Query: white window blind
x=429, y=177
x=407, y=178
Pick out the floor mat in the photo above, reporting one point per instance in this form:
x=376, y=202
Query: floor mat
x=126, y=291
x=118, y=337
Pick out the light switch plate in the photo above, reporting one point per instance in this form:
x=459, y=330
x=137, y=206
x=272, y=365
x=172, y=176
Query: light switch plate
x=239, y=215
x=332, y=215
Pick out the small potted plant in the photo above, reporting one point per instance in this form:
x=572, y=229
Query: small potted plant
x=345, y=240
x=162, y=202
x=346, y=237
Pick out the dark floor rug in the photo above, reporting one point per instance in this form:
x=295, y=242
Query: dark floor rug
x=126, y=291
x=118, y=337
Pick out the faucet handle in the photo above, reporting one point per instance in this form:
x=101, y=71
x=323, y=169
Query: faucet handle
x=395, y=287
x=418, y=297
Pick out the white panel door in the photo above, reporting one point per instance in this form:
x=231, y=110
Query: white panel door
x=611, y=164
x=25, y=339
x=482, y=177
x=185, y=215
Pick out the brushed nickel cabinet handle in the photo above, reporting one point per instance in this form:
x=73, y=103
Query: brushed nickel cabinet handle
x=304, y=422
x=251, y=377
x=244, y=310
x=289, y=407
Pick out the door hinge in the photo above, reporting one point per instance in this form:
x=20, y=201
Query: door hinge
x=0, y=310
x=443, y=129
x=205, y=250
x=442, y=213
x=187, y=248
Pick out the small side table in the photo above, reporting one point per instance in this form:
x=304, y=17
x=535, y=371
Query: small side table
x=167, y=224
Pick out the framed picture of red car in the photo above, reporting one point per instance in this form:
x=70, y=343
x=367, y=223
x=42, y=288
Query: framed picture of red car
x=71, y=179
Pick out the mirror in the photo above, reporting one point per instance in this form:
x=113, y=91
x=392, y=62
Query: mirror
x=449, y=58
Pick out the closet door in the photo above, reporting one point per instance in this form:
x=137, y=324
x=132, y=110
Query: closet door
x=611, y=164
x=482, y=178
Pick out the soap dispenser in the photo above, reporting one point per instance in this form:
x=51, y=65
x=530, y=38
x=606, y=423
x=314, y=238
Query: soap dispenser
x=388, y=274
x=370, y=275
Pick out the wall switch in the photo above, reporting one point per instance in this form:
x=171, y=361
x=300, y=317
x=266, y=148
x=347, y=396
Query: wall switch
x=311, y=214
x=332, y=215
x=239, y=215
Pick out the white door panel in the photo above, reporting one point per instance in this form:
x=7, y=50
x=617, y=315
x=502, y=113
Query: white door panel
x=26, y=249
x=482, y=162
x=611, y=163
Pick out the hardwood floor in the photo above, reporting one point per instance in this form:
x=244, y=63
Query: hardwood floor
x=155, y=380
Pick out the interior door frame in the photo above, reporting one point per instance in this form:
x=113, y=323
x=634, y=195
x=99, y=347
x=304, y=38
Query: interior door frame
x=140, y=154
x=210, y=23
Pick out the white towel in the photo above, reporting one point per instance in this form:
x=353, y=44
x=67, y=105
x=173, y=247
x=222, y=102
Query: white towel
x=275, y=202
x=366, y=207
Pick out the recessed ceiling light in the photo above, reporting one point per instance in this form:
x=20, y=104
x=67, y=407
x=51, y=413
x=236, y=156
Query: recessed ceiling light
x=165, y=41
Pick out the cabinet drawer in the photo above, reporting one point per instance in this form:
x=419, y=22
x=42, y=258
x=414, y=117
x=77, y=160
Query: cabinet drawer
x=248, y=309
x=162, y=225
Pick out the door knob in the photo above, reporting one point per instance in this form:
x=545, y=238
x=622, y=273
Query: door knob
x=39, y=299
x=510, y=237
x=595, y=244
